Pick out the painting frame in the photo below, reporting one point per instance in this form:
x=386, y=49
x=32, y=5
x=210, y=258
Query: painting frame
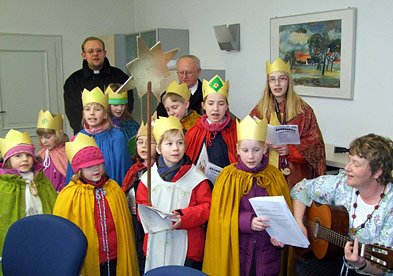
x=347, y=51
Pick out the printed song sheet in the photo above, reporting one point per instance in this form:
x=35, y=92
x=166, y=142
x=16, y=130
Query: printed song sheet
x=283, y=135
x=283, y=226
x=209, y=169
x=154, y=220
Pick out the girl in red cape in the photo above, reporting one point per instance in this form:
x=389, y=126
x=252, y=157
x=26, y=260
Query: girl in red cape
x=280, y=105
x=214, y=130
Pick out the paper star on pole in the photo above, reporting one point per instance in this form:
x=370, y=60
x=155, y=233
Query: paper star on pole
x=150, y=65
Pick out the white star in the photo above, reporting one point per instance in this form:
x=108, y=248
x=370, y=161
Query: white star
x=150, y=65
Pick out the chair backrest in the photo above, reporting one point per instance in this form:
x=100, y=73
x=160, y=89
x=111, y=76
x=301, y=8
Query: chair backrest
x=176, y=270
x=43, y=245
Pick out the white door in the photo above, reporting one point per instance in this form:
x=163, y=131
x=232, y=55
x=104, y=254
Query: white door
x=31, y=79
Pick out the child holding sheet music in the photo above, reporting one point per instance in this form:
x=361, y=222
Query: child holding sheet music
x=177, y=187
x=215, y=130
x=236, y=243
x=281, y=105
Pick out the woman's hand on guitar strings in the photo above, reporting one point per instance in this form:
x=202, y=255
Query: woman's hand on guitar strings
x=302, y=228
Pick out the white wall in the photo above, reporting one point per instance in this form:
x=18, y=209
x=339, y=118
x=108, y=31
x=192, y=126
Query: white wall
x=340, y=120
x=74, y=20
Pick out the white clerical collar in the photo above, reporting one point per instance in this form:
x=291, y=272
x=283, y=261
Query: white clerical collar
x=96, y=72
x=194, y=88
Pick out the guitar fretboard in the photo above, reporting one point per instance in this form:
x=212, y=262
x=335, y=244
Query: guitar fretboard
x=320, y=231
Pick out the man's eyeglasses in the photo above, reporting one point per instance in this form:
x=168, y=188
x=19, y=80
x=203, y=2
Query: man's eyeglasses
x=98, y=50
x=280, y=79
x=186, y=73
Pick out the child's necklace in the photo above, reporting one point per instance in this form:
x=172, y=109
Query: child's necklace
x=353, y=230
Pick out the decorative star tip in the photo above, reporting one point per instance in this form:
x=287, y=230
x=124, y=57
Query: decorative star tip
x=150, y=65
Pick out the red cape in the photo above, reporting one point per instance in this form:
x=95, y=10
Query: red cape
x=196, y=135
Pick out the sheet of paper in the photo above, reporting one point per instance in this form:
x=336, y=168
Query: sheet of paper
x=283, y=135
x=209, y=169
x=283, y=226
x=212, y=171
x=203, y=159
x=154, y=220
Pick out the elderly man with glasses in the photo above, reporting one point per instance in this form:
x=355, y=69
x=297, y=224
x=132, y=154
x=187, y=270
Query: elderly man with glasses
x=188, y=71
x=96, y=71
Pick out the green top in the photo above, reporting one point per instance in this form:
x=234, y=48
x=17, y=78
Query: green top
x=12, y=200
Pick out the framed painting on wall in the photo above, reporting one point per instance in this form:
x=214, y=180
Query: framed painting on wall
x=321, y=50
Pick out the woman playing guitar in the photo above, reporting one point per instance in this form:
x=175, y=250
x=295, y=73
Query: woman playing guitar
x=364, y=188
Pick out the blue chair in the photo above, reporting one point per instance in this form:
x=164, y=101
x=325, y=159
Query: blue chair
x=176, y=270
x=43, y=245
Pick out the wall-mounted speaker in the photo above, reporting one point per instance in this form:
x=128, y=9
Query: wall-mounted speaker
x=228, y=38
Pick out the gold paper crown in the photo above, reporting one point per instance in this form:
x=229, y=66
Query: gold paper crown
x=278, y=65
x=179, y=89
x=116, y=97
x=46, y=120
x=143, y=127
x=143, y=130
x=12, y=139
x=249, y=129
x=81, y=141
x=215, y=85
x=163, y=124
x=95, y=96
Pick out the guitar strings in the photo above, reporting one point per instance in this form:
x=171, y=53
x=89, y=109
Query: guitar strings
x=339, y=239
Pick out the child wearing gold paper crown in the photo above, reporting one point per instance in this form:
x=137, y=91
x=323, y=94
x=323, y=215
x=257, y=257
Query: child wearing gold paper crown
x=24, y=189
x=176, y=101
x=52, y=140
x=215, y=129
x=177, y=187
x=98, y=206
x=131, y=183
x=121, y=117
x=280, y=105
x=236, y=243
x=98, y=124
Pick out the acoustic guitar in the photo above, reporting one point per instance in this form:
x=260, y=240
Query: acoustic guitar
x=327, y=230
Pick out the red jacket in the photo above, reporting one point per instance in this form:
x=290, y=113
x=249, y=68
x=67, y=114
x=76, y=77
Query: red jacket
x=194, y=216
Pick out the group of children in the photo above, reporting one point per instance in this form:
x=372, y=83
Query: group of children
x=99, y=190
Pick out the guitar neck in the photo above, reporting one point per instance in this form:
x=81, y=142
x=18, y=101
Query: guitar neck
x=315, y=221
x=320, y=231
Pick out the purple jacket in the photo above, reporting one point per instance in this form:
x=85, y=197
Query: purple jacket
x=267, y=257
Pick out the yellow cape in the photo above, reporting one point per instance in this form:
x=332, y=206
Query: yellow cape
x=76, y=203
x=221, y=255
x=190, y=120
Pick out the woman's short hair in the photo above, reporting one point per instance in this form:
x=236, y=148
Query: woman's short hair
x=378, y=150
